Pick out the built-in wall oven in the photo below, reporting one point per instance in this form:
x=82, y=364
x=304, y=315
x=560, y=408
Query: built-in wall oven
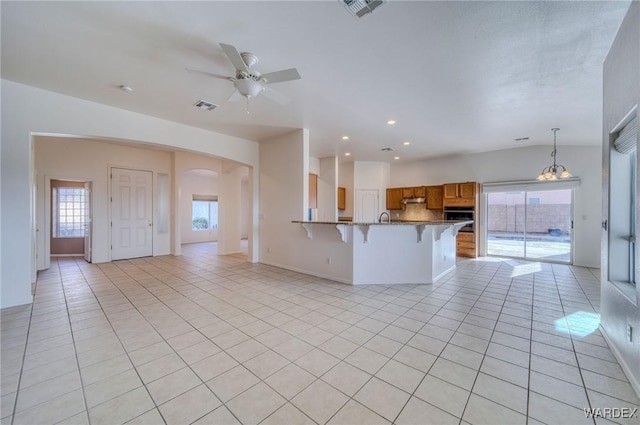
x=461, y=213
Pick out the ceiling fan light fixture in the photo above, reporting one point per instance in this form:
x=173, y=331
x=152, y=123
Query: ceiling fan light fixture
x=248, y=88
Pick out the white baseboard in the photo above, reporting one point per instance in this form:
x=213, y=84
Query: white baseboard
x=295, y=269
x=633, y=380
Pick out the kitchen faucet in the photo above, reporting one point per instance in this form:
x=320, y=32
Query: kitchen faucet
x=388, y=217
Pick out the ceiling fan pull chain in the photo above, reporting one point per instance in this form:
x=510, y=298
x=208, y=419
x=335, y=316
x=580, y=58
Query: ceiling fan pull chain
x=248, y=106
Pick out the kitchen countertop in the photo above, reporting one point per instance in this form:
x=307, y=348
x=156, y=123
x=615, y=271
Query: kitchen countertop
x=392, y=223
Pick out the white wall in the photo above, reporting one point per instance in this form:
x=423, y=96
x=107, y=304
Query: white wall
x=620, y=303
x=284, y=195
x=90, y=160
x=523, y=164
x=229, y=211
x=328, y=189
x=196, y=182
x=54, y=113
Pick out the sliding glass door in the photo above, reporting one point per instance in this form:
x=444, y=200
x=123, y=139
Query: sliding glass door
x=534, y=225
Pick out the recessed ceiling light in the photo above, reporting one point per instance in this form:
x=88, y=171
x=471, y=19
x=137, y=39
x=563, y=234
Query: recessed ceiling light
x=396, y=157
x=347, y=154
x=126, y=89
x=345, y=137
x=391, y=122
x=406, y=143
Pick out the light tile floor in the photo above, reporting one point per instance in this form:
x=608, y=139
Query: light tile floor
x=215, y=340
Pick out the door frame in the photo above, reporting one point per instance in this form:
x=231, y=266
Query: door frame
x=47, y=213
x=485, y=230
x=110, y=168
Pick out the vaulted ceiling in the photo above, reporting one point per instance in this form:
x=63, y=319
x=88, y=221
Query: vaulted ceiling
x=457, y=76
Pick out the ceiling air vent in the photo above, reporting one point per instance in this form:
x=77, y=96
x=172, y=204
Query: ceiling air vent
x=359, y=8
x=387, y=149
x=207, y=106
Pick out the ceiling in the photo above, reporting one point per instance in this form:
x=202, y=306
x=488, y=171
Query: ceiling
x=457, y=76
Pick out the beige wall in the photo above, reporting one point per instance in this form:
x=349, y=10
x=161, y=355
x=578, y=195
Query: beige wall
x=91, y=160
x=620, y=302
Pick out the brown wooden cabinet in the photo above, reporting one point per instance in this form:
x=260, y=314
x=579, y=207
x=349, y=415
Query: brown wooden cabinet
x=394, y=199
x=420, y=192
x=463, y=195
x=434, y=197
x=460, y=190
x=467, y=190
x=450, y=190
x=466, y=245
x=313, y=191
x=460, y=194
x=342, y=198
x=407, y=192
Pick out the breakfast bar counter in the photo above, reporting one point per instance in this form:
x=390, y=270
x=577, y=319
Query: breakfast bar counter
x=383, y=253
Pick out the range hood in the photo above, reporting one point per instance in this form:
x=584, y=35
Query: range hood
x=414, y=200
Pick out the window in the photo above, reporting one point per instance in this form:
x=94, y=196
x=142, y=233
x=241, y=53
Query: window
x=204, y=212
x=69, y=212
x=623, y=159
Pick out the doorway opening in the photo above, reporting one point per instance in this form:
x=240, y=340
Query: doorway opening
x=531, y=225
x=70, y=218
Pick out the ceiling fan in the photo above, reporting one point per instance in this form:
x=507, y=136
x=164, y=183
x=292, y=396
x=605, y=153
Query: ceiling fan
x=248, y=82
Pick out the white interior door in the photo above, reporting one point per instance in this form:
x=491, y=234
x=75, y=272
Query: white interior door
x=366, y=205
x=131, y=213
x=87, y=222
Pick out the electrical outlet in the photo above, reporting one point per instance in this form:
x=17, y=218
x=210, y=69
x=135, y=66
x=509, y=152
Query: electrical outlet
x=629, y=333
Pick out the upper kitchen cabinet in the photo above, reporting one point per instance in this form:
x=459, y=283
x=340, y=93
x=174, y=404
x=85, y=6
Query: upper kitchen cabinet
x=434, y=197
x=342, y=198
x=414, y=192
x=313, y=191
x=420, y=192
x=394, y=199
x=460, y=194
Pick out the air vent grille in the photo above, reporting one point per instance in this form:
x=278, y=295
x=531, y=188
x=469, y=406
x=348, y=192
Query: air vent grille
x=207, y=106
x=360, y=8
x=387, y=149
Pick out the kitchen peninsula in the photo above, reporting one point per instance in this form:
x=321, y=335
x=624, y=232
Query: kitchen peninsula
x=383, y=253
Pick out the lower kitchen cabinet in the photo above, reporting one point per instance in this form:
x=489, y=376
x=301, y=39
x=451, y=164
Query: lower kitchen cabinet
x=466, y=245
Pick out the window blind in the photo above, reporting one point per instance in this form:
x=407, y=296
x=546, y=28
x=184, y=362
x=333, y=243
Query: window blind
x=627, y=140
x=531, y=185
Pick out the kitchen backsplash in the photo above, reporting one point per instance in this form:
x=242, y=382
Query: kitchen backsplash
x=417, y=212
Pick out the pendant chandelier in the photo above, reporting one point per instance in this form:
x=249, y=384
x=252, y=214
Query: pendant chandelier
x=553, y=172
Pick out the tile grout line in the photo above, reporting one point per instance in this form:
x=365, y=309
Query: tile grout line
x=123, y=347
x=24, y=355
x=575, y=353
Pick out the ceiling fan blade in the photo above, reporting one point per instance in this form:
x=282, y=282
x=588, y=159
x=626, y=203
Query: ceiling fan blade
x=234, y=56
x=280, y=76
x=275, y=96
x=235, y=96
x=223, y=77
